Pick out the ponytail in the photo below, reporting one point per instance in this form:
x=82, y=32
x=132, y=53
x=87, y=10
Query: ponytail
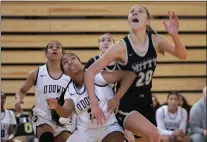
x=150, y=30
x=55, y=116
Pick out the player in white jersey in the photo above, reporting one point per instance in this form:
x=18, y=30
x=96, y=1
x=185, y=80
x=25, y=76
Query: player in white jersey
x=8, y=121
x=49, y=81
x=171, y=120
x=77, y=100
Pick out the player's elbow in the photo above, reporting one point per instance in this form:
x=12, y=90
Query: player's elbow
x=182, y=57
x=69, y=112
x=66, y=114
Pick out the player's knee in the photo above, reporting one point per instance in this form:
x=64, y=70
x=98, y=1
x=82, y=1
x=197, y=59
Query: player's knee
x=114, y=137
x=154, y=134
x=165, y=139
x=46, y=137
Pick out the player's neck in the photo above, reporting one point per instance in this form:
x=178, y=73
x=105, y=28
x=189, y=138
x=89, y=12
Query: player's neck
x=138, y=37
x=79, y=79
x=172, y=110
x=54, y=66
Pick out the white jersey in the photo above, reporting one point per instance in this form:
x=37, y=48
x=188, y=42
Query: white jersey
x=82, y=104
x=7, y=119
x=47, y=87
x=168, y=122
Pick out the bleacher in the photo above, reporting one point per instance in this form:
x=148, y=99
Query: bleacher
x=27, y=27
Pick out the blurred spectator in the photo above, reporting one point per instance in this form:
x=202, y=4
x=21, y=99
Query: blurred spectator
x=24, y=131
x=198, y=120
x=155, y=102
x=8, y=121
x=171, y=120
x=184, y=104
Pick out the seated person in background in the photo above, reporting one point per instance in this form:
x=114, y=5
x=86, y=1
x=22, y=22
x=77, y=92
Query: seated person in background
x=197, y=120
x=155, y=102
x=184, y=104
x=171, y=120
x=8, y=121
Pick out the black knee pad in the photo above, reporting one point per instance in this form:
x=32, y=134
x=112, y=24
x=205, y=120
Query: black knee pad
x=46, y=137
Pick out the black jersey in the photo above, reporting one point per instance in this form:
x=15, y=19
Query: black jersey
x=24, y=129
x=111, y=67
x=139, y=95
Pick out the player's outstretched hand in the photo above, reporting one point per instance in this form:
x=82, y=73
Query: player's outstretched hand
x=173, y=26
x=113, y=104
x=52, y=103
x=97, y=113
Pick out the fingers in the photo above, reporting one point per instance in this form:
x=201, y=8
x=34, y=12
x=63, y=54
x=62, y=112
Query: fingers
x=165, y=24
x=170, y=15
x=175, y=18
x=51, y=103
x=97, y=114
x=110, y=106
x=96, y=117
x=103, y=116
x=51, y=100
x=18, y=107
x=116, y=110
x=99, y=120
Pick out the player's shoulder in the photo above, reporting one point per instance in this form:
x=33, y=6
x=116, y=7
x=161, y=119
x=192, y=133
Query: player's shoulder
x=66, y=77
x=182, y=109
x=162, y=108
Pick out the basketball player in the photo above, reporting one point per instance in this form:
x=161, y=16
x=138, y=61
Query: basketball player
x=171, y=120
x=105, y=41
x=137, y=53
x=8, y=121
x=77, y=100
x=49, y=81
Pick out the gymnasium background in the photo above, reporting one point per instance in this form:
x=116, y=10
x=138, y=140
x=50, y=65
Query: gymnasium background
x=27, y=27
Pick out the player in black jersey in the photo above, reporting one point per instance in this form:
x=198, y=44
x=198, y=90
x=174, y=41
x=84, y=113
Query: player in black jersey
x=24, y=130
x=137, y=52
x=105, y=41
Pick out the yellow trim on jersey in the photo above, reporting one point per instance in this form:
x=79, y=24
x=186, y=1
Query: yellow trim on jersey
x=160, y=51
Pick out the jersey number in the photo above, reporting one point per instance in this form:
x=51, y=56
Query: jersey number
x=28, y=128
x=2, y=133
x=144, y=78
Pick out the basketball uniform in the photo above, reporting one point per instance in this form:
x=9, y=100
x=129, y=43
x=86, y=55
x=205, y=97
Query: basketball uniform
x=47, y=87
x=86, y=130
x=138, y=97
x=111, y=67
x=24, y=126
x=7, y=119
x=171, y=121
